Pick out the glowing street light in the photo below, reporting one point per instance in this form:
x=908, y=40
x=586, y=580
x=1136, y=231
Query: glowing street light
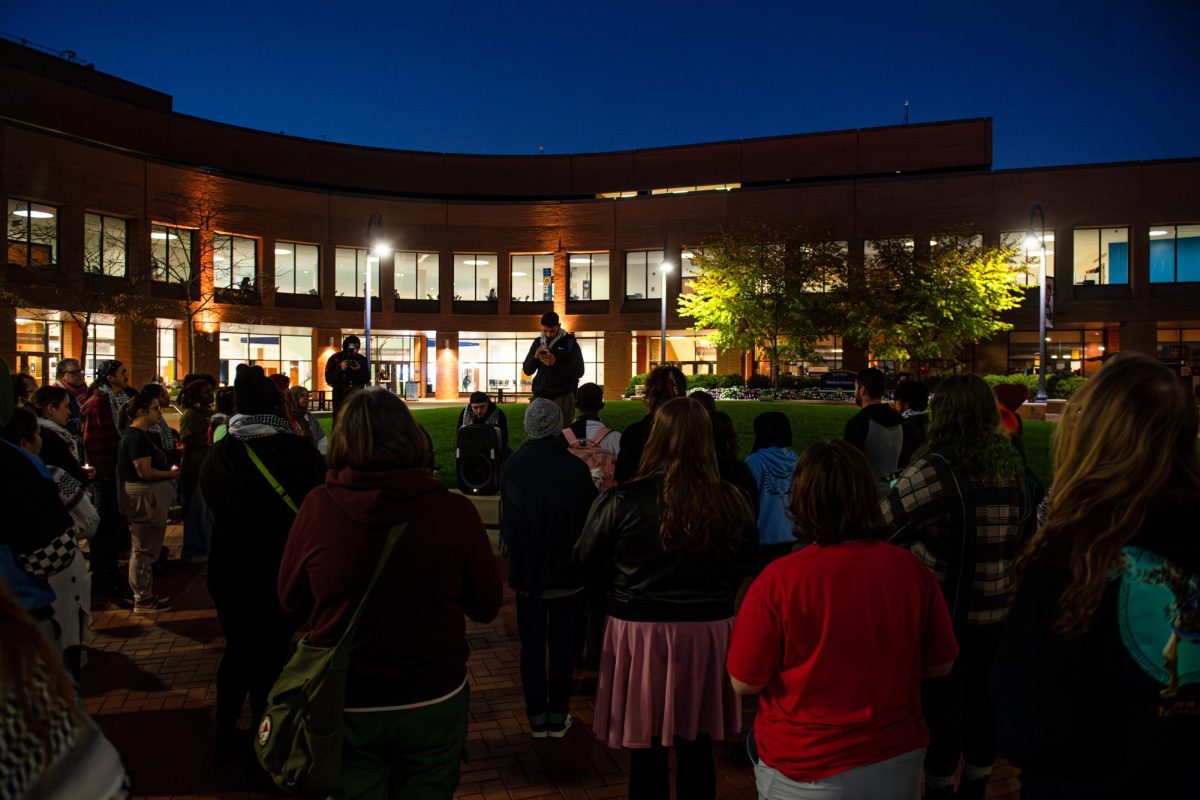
x=376, y=247
x=1035, y=239
x=664, y=269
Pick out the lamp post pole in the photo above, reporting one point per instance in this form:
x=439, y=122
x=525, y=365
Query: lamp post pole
x=374, y=227
x=664, y=269
x=1039, y=236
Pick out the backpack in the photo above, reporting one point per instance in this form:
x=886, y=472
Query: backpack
x=601, y=463
x=299, y=739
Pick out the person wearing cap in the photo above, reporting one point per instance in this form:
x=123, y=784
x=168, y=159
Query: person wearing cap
x=481, y=410
x=556, y=364
x=251, y=521
x=545, y=494
x=589, y=400
x=101, y=437
x=346, y=371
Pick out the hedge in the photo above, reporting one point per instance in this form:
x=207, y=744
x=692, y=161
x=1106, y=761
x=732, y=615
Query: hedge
x=1060, y=387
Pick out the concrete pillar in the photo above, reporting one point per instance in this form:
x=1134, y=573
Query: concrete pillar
x=72, y=339
x=562, y=272
x=1140, y=336
x=447, y=365
x=208, y=350
x=617, y=360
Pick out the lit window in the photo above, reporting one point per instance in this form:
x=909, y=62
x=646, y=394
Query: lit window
x=643, y=281
x=235, y=262
x=171, y=254
x=1174, y=253
x=533, y=278
x=352, y=268
x=1028, y=258
x=1101, y=256
x=417, y=275
x=32, y=234
x=104, y=245
x=588, y=276
x=297, y=268
x=475, y=277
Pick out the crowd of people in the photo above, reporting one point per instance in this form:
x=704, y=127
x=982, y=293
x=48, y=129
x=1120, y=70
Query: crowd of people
x=904, y=605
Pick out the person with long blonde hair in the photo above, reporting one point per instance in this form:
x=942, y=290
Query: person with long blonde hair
x=1097, y=679
x=672, y=546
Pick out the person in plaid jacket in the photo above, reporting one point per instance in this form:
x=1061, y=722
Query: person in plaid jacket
x=101, y=436
x=959, y=507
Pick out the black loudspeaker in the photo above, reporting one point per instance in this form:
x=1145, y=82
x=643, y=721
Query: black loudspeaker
x=477, y=456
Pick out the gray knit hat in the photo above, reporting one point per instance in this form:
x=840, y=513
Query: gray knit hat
x=543, y=418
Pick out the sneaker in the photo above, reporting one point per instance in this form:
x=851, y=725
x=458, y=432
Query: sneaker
x=557, y=730
x=152, y=604
x=539, y=730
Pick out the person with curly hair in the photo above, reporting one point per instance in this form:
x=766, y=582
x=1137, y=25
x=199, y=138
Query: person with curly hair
x=960, y=506
x=1097, y=679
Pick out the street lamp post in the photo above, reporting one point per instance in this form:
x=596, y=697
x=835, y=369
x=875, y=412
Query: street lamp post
x=1035, y=239
x=664, y=269
x=375, y=247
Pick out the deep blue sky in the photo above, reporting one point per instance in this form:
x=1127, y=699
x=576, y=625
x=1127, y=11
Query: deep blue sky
x=1065, y=82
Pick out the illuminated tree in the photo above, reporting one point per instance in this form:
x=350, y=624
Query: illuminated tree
x=914, y=304
x=769, y=288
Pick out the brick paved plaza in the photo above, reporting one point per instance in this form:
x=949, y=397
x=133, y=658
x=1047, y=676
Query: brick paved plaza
x=151, y=684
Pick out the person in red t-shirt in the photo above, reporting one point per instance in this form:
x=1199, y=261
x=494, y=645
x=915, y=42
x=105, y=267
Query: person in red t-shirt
x=835, y=639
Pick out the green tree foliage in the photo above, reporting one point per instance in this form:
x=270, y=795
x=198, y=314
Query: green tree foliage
x=766, y=288
x=917, y=303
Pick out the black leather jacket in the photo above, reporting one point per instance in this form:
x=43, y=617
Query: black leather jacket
x=619, y=550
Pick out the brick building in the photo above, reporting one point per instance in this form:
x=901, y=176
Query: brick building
x=224, y=245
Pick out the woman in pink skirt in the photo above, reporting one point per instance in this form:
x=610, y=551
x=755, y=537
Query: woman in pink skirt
x=672, y=547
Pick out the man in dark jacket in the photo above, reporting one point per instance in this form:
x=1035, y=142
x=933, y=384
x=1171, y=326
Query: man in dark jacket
x=251, y=523
x=546, y=493
x=912, y=401
x=346, y=371
x=556, y=362
x=876, y=430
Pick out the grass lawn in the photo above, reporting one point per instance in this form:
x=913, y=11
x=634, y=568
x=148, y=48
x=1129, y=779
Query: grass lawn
x=810, y=423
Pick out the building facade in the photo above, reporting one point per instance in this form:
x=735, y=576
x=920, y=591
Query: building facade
x=185, y=245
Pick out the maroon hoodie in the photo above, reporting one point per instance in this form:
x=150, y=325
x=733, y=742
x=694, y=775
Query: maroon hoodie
x=411, y=644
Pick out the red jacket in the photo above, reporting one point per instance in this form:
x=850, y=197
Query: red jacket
x=411, y=643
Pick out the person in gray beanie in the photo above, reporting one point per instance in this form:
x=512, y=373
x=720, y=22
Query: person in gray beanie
x=545, y=494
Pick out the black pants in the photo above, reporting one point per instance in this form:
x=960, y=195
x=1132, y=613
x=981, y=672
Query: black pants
x=695, y=770
x=551, y=624
x=958, y=708
x=340, y=395
x=111, y=535
x=256, y=647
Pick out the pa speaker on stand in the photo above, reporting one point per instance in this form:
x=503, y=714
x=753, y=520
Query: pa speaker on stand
x=477, y=457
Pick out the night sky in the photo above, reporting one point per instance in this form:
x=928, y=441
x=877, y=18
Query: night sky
x=1065, y=82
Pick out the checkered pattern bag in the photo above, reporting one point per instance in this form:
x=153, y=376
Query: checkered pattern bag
x=51, y=559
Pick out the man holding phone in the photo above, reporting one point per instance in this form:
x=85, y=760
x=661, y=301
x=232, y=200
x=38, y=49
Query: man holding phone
x=556, y=362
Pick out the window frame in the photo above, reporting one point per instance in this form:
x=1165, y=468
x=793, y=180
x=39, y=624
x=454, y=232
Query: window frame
x=475, y=298
x=1076, y=278
x=234, y=266
x=645, y=266
x=590, y=267
x=295, y=253
x=534, y=276
x=1152, y=240
x=102, y=258
x=165, y=273
x=12, y=207
x=417, y=257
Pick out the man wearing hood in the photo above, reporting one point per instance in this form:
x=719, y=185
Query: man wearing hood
x=251, y=521
x=481, y=410
x=772, y=462
x=346, y=371
x=877, y=430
